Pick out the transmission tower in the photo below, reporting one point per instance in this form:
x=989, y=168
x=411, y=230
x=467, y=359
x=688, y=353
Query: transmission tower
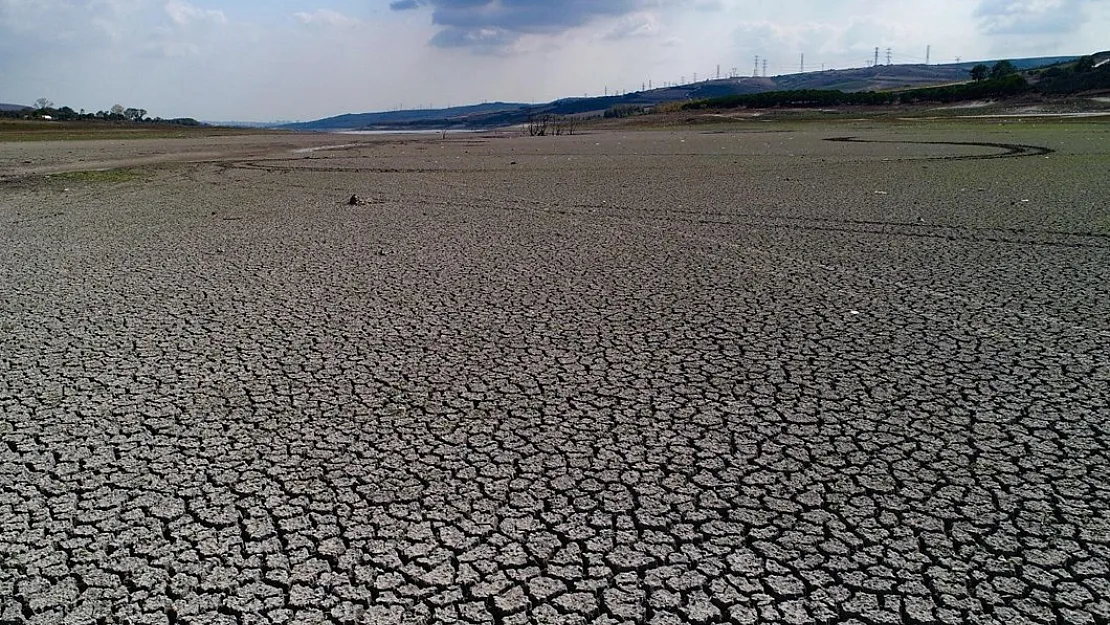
x=928, y=51
x=876, y=56
x=802, y=65
x=889, y=55
x=755, y=72
x=764, y=68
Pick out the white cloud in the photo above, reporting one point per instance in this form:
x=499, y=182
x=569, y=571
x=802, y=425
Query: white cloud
x=182, y=13
x=328, y=18
x=60, y=21
x=643, y=24
x=1034, y=17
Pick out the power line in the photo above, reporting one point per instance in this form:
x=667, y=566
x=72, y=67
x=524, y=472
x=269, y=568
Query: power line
x=903, y=59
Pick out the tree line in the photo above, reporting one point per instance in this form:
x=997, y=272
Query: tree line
x=1082, y=76
x=1001, y=69
x=797, y=97
x=45, y=109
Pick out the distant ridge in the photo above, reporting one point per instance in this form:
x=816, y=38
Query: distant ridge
x=500, y=114
x=10, y=108
x=456, y=115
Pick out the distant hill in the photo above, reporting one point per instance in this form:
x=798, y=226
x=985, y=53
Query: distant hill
x=875, y=78
x=454, y=116
x=240, y=124
x=500, y=114
x=1090, y=74
x=13, y=108
x=1083, y=77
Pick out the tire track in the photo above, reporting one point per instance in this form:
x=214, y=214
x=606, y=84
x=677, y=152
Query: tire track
x=1009, y=150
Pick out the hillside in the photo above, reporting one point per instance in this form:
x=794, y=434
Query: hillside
x=498, y=114
x=458, y=115
x=12, y=108
x=1090, y=74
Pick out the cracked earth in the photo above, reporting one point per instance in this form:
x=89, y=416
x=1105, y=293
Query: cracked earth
x=656, y=377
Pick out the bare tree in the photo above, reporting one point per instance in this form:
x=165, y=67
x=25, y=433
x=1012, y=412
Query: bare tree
x=117, y=109
x=537, y=124
x=564, y=124
x=43, y=103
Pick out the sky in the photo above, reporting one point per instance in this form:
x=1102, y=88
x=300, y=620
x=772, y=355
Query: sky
x=265, y=60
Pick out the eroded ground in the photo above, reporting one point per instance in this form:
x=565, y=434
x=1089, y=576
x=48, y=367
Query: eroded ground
x=658, y=377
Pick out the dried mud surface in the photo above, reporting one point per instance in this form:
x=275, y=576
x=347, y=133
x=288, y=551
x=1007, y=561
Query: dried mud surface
x=655, y=377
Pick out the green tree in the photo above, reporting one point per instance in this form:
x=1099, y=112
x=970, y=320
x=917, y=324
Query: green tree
x=1003, y=69
x=1084, y=64
x=979, y=72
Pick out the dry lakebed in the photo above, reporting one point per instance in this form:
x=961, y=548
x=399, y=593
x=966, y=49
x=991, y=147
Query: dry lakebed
x=841, y=372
